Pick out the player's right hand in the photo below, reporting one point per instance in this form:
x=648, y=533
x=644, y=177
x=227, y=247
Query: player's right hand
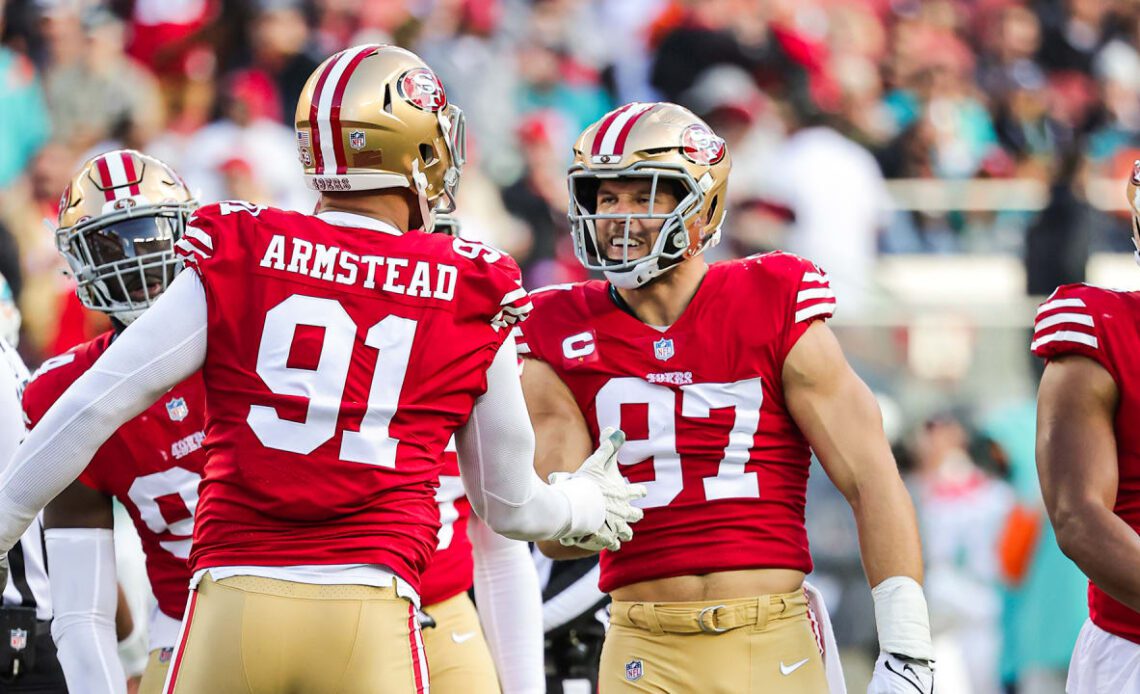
x=601, y=469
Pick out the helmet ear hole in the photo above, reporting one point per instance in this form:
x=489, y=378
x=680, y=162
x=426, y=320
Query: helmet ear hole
x=712, y=209
x=387, y=99
x=427, y=153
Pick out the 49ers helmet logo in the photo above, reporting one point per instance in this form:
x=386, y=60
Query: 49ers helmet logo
x=422, y=89
x=701, y=145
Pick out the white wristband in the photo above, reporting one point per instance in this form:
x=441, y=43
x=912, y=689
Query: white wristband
x=902, y=618
x=587, y=506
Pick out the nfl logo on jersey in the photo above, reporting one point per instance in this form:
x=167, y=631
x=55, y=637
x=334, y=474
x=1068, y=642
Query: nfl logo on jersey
x=634, y=670
x=663, y=349
x=177, y=409
x=18, y=639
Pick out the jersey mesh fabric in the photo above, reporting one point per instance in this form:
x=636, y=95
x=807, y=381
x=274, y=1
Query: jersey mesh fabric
x=702, y=407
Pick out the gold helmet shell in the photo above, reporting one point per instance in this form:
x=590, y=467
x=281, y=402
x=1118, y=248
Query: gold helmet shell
x=119, y=219
x=373, y=117
x=661, y=142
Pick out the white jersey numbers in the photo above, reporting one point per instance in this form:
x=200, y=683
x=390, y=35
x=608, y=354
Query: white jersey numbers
x=697, y=402
x=324, y=385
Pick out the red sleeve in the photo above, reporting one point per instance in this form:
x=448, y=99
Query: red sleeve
x=47, y=384
x=809, y=296
x=495, y=286
x=529, y=335
x=1072, y=321
x=205, y=235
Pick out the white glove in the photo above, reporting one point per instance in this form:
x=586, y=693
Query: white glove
x=601, y=469
x=900, y=675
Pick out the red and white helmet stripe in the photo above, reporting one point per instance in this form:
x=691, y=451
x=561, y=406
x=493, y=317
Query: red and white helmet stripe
x=324, y=111
x=614, y=130
x=117, y=176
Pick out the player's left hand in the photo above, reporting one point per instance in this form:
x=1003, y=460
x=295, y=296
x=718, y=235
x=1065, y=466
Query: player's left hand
x=901, y=675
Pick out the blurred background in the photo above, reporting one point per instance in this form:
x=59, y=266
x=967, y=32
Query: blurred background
x=948, y=162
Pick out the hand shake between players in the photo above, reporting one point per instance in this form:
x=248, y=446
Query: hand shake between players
x=601, y=469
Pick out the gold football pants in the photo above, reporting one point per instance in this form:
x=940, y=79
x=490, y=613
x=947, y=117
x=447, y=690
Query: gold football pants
x=253, y=635
x=753, y=645
x=456, y=650
x=157, y=665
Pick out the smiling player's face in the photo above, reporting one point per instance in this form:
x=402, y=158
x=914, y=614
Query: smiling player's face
x=630, y=196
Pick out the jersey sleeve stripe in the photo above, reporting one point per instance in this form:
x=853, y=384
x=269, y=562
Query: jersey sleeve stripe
x=514, y=296
x=199, y=236
x=519, y=310
x=1058, y=318
x=814, y=278
x=186, y=248
x=1066, y=336
x=824, y=309
x=817, y=293
x=1060, y=303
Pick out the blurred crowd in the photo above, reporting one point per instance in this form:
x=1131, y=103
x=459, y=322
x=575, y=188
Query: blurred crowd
x=821, y=101
x=823, y=104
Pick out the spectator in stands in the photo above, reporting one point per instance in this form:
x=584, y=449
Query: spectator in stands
x=25, y=125
x=282, y=48
x=961, y=511
x=104, y=94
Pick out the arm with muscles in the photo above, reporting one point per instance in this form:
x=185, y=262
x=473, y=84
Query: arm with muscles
x=510, y=608
x=840, y=419
x=496, y=463
x=163, y=347
x=81, y=551
x=1077, y=463
x=561, y=436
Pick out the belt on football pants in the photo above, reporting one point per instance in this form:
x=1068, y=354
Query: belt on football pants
x=714, y=617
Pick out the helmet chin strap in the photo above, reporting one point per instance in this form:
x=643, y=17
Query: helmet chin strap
x=427, y=216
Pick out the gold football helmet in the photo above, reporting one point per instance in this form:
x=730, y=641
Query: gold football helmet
x=118, y=221
x=375, y=117
x=663, y=143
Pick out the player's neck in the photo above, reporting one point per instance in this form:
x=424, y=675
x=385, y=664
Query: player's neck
x=662, y=301
x=387, y=206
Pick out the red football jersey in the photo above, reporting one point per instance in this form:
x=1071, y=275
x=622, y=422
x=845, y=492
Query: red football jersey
x=702, y=407
x=451, y=567
x=1104, y=325
x=152, y=465
x=340, y=360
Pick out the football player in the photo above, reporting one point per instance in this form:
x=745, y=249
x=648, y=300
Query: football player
x=725, y=379
x=28, y=659
x=119, y=219
x=340, y=352
x=1088, y=457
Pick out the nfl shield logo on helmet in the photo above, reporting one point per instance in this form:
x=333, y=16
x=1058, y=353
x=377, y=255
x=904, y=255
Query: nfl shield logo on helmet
x=18, y=639
x=663, y=349
x=356, y=140
x=634, y=670
x=177, y=409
